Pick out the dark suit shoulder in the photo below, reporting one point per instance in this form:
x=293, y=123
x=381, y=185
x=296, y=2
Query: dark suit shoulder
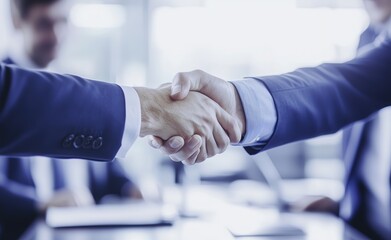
x=8, y=60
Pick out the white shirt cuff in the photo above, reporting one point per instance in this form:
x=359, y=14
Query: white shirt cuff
x=259, y=109
x=132, y=121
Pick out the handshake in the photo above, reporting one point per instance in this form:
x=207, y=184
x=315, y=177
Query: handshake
x=192, y=119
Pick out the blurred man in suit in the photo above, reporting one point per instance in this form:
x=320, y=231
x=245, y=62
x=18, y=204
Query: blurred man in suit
x=29, y=186
x=41, y=27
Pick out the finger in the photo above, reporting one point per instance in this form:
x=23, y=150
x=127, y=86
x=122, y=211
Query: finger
x=202, y=156
x=180, y=86
x=192, y=145
x=221, y=139
x=164, y=85
x=230, y=125
x=192, y=158
x=155, y=142
x=185, y=82
x=175, y=159
x=211, y=147
x=172, y=145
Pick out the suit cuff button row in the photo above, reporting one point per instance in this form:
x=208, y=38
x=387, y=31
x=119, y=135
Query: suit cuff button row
x=82, y=142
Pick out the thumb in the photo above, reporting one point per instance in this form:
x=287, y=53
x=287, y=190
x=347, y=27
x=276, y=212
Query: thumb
x=164, y=85
x=185, y=82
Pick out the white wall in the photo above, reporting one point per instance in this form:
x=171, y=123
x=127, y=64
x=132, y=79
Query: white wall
x=5, y=27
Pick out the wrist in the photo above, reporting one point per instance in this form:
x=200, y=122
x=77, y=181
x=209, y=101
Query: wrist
x=150, y=112
x=239, y=111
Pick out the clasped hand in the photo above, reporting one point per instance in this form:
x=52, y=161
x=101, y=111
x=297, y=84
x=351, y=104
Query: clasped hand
x=192, y=119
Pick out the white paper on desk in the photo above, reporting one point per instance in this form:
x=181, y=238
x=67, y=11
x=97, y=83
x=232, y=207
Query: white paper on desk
x=244, y=221
x=137, y=214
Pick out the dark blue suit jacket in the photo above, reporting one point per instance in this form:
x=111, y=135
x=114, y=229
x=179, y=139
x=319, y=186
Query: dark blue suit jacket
x=60, y=116
x=353, y=143
x=322, y=100
x=355, y=146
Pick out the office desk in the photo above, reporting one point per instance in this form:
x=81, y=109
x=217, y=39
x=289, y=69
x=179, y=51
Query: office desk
x=316, y=226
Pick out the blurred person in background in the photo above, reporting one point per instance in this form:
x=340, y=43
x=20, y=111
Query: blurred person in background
x=366, y=153
x=31, y=185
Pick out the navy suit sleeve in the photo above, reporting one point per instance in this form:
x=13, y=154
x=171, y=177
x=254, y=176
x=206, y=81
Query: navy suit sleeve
x=59, y=116
x=322, y=100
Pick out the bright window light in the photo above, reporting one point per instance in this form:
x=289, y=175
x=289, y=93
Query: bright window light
x=98, y=15
x=232, y=40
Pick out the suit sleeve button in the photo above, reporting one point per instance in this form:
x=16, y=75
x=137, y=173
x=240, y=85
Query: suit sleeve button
x=67, y=142
x=98, y=143
x=78, y=142
x=87, y=143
